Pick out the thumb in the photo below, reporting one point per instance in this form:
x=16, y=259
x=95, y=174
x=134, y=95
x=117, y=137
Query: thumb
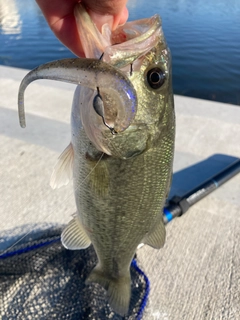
x=113, y=12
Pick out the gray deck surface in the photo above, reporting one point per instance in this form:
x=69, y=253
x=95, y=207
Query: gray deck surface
x=197, y=274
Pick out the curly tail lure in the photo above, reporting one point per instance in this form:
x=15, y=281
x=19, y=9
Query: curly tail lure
x=93, y=74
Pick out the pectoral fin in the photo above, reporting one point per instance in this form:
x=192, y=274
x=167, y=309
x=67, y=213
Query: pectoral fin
x=99, y=178
x=62, y=172
x=74, y=237
x=156, y=237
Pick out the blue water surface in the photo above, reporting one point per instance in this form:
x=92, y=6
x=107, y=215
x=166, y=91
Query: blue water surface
x=203, y=35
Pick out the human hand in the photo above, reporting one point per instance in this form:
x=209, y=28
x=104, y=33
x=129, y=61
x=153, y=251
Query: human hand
x=60, y=17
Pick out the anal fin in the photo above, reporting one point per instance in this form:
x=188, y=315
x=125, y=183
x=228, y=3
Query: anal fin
x=156, y=237
x=62, y=172
x=74, y=237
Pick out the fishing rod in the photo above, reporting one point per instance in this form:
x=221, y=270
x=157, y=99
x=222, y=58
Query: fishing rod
x=177, y=206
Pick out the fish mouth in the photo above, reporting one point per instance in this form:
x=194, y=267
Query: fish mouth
x=122, y=46
x=137, y=38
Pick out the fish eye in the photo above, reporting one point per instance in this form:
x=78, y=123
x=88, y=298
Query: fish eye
x=155, y=78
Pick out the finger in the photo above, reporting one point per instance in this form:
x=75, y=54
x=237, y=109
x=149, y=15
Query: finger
x=113, y=12
x=113, y=20
x=60, y=17
x=56, y=9
x=105, y=7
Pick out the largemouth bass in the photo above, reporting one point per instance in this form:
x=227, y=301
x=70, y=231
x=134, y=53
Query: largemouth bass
x=122, y=146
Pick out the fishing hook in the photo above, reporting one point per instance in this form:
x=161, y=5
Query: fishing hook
x=131, y=69
x=99, y=108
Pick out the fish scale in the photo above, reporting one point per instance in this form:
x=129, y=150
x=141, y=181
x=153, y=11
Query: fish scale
x=121, y=151
x=135, y=188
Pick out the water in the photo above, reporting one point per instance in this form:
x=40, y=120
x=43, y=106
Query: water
x=204, y=37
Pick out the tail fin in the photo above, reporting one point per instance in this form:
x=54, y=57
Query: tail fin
x=118, y=290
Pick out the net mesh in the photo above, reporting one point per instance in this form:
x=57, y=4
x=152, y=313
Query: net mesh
x=40, y=279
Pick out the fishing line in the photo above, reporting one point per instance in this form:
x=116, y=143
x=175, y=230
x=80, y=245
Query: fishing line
x=13, y=245
x=65, y=200
x=117, y=152
x=49, y=214
x=113, y=147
